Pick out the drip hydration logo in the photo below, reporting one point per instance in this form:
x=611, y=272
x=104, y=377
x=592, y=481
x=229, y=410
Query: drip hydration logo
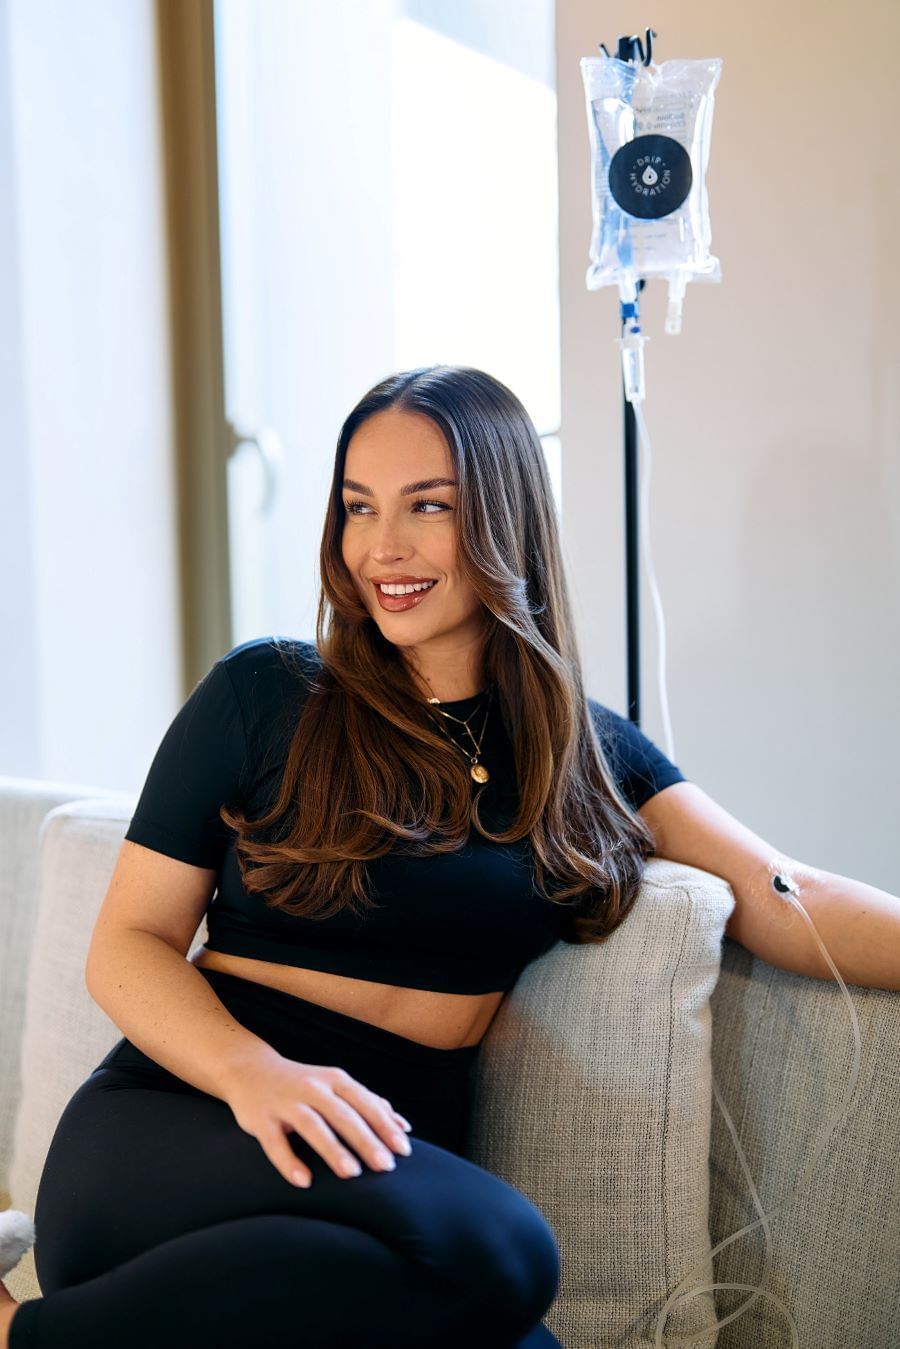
x=650, y=177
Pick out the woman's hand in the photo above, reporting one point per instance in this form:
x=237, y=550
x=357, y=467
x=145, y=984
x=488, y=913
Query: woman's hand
x=276, y=1096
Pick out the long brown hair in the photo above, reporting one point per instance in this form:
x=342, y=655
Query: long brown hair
x=366, y=766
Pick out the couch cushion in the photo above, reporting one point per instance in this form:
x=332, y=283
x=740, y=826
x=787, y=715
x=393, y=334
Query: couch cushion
x=592, y=1095
x=66, y=1033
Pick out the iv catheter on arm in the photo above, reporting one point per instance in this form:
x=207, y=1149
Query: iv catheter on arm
x=858, y=923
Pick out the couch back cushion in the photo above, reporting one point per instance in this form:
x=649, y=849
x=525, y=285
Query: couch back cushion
x=592, y=1095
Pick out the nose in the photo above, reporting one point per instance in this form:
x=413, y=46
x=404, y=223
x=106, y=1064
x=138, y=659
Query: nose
x=388, y=543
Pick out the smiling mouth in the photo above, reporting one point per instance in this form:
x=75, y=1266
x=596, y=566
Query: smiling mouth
x=424, y=583
x=408, y=600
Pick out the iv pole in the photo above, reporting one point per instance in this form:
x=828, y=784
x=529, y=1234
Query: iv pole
x=632, y=563
x=630, y=49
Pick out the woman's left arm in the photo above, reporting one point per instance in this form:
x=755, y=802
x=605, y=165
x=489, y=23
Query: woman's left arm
x=859, y=925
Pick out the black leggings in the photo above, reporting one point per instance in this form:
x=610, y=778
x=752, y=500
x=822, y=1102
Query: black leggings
x=159, y=1221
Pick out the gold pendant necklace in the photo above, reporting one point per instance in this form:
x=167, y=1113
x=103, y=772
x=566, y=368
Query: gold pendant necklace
x=477, y=770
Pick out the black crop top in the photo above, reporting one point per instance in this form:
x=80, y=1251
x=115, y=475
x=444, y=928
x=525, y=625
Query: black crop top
x=465, y=922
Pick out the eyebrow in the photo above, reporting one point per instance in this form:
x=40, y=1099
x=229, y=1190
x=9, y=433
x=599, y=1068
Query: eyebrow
x=426, y=485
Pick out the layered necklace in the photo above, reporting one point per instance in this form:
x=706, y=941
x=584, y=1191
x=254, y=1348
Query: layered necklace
x=477, y=770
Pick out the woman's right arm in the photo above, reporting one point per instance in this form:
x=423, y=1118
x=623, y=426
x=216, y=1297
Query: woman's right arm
x=165, y=1007
x=163, y=1004
x=137, y=970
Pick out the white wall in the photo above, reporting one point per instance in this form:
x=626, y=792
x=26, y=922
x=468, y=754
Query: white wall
x=774, y=418
x=87, y=544
x=19, y=735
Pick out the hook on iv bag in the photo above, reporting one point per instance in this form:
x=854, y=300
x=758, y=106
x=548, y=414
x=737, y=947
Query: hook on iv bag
x=630, y=47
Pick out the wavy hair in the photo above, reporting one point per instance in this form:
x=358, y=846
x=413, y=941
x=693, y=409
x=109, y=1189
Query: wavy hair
x=383, y=774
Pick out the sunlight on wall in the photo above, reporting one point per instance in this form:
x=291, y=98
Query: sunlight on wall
x=487, y=244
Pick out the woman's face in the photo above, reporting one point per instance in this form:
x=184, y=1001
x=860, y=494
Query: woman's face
x=390, y=532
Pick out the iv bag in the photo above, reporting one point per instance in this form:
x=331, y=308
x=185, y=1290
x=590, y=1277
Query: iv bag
x=650, y=130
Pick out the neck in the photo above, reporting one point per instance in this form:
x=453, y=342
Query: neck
x=449, y=692
x=450, y=683
x=455, y=697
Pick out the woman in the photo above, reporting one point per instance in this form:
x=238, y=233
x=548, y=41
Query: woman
x=396, y=820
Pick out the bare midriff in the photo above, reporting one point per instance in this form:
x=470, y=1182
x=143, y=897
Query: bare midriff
x=441, y=1020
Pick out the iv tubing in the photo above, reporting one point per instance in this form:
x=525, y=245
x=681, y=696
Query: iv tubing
x=646, y=471
x=763, y=1220
x=843, y=1108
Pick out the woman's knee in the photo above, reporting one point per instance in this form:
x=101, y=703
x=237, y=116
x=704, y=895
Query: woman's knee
x=509, y=1263
x=525, y=1271
x=65, y=1201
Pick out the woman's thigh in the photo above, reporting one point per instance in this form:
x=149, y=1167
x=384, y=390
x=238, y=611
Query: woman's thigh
x=131, y=1166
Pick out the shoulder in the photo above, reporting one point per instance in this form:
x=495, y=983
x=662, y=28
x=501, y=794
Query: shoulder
x=640, y=768
x=607, y=723
x=271, y=674
x=619, y=736
x=261, y=657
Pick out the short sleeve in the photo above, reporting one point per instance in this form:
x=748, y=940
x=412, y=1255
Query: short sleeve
x=639, y=767
x=197, y=768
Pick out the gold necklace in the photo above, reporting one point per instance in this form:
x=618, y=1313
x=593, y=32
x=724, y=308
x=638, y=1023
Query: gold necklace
x=477, y=770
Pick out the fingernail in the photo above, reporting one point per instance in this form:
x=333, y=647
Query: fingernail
x=406, y=1124
x=301, y=1180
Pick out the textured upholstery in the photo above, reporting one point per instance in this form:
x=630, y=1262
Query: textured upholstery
x=593, y=1099
x=24, y=805
x=54, y=872
x=782, y=1054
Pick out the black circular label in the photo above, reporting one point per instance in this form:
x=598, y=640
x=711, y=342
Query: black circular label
x=650, y=176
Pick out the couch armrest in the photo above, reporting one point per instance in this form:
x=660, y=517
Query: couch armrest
x=782, y=1050
x=24, y=805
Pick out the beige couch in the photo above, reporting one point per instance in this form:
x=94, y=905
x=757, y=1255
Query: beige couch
x=594, y=1096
